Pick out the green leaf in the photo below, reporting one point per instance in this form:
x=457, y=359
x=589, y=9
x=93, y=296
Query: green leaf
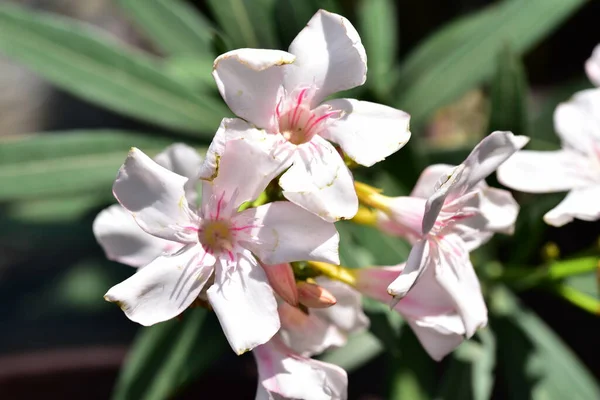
x=586, y=283
x=379, y=33
x=462, y=54
x=536, y=363
x=191, y=71
x=293, y=15
x=174, y=25
x=509, y=95
x=360, y=349
x=169, y=355
x=88, y=63
x=470, y=375
x=59, y=164
x=247, y=23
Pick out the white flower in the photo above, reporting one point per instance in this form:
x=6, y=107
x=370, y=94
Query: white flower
x=592, y=66
x=284, y=374
x=322, y=328
x=283, y=92
x=216, y=241
x=574, y=168
x=116, y=230
x=450, y=212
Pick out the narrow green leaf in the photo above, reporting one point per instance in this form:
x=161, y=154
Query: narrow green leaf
x=191, y=71
x=470, y=375
x=166, y=356
x=378, y=31
x=88, y=63
x=59, y=164
x=462, y=55
x=509, y=95
x=174, y=25
x=247, y=23
x=536, y=363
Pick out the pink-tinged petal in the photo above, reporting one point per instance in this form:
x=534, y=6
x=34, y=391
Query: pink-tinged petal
x=308, y=334
x=282, y=280
x=155, y=197
x=247, y=165
x=285, y=374
x=250, y=81
x=124, y=241
x=367, y=132
x=577, y=122
x=438, y=335
x=450, y=185
x=283, y=232
x=454, y=273
x=164, y=288
x=329, y=55
x=418, y=260
x=404, y=217
x=583, y=204
x=374, y=281
x=347, y=314
x=500, y=210
x=229, y=129
x=546, y=171
x=320, y=182
x=592, y=66
x=426, y=184
x=244, y=303
x=185, y=161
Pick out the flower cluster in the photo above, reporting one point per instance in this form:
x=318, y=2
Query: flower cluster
x=249, y=230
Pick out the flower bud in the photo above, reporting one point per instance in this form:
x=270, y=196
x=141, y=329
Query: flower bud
x=315, y=296
x=281, y=278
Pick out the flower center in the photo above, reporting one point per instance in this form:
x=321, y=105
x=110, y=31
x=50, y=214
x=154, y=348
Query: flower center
x=216, y=236
x=298, y=123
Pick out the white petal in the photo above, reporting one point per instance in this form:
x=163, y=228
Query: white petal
x=425, y=186
x=320, y=182
x=500, y=210
x=374, y=281
x=454, y=272
x=124, y=241
x=592, y=66
x=437, y=335
x=250, y=81
x=449, y=186
x=283, y=374
x=285, y=232
x=367, y=132
x=577, y=122
x=489, y=154
x=245, y=304
x=545, y=171
x=247, y=165
x=154, y=195
x=404, y=217
x=418, y=260
x=229, y=129
x=347, y=314
x=329, y=55
x=582, y=204
x=185, y=161
x=164, y=288
x=308, y=334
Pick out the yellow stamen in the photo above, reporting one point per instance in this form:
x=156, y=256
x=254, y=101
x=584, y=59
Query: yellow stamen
x=365, y=216
x=371, y=196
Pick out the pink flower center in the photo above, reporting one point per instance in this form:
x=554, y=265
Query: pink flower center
x=298, y=123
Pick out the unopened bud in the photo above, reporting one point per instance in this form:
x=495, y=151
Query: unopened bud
x=315, y=296
x=281, y=278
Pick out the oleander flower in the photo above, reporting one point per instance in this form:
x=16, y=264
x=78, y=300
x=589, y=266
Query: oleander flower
x=218, y=246
x=576, y=167
x=283, y=92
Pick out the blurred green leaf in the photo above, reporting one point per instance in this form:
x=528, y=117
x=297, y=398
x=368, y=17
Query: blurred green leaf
x=586, y=283
x=379, y=34
x=360, y=349
x=58, y=164
x=536, y=363
x=194, y=72
x=247, y=23
x=174, y=25
x=462, y=54
x=55, y=209
x=509, y=95
x=470, y=375
x=412, y=375
x=168, y=355
x=292, y=16
x=88, y=63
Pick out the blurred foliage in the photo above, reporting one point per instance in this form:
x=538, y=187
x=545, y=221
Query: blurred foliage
x=52, y=184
